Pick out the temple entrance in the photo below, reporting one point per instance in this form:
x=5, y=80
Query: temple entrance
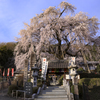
x=56, y=68
x=51, y=79
x=55, y=73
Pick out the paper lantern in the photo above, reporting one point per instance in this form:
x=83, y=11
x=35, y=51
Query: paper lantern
x=8, y=72
x=12, y=71
x=40, y=70
x=52, y=70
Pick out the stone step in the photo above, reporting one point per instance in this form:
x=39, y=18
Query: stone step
x=53, y=92
x=55, y=87
x=51, y=99
x=65, y=96
x=47, y=90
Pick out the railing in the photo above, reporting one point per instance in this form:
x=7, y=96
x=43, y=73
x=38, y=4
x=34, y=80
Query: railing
x=38, y=92
x=67, y=89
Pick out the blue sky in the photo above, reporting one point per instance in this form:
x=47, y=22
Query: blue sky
x=13, y=13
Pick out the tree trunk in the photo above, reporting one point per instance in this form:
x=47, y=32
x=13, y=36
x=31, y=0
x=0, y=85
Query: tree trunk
x=86, y=65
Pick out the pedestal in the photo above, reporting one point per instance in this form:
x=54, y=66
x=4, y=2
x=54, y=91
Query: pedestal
x=34, y=81
x=76, y=94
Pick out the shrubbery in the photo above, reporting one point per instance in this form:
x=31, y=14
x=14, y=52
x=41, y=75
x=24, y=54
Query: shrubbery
x=72, y=89
x=35, y=89
x=20, y=86
x=81, y=69
x=90, y=81
x=39, y=83
x=98, y=69
x=12, y=87
x=79, y=89
x=89, y=75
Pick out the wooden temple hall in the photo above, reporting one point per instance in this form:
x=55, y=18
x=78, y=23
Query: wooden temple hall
x=57, y=68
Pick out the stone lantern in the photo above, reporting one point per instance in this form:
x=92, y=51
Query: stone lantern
x=72, y=71
x=35, y=70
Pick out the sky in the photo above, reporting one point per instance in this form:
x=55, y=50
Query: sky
x=14, y=13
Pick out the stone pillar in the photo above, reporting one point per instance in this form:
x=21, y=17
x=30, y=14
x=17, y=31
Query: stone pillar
x=25, y=72
x=76, y=94
x=31, y=66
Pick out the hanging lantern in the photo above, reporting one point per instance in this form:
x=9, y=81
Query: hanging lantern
x=8, y=72
x=65, y=70
x=12, y=71
x=40, y=70
x=4, y=72
x=52, y=70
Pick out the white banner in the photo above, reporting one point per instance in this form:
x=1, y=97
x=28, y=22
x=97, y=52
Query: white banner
x=46, y=67
x=71, y=60
x=43, y=65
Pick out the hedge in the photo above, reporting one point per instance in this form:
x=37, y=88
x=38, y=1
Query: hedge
x=90, y=81
x=89, y=75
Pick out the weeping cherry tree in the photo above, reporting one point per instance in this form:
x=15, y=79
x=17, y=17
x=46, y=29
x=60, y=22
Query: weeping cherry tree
x=57, y=31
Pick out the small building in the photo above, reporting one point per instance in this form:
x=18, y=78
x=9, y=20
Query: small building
x=57, y=68
x=92, y=65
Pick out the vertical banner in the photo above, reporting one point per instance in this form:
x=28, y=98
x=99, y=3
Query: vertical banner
x=12, y=71
x=4, y=72
x=46, y=67
x=71, y=60
x=43, y=65
x=8, y=72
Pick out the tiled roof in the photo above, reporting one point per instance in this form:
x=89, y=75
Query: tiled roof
x=58, y=64
x=89, y=62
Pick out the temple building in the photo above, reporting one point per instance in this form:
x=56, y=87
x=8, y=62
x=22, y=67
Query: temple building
x=57, y=68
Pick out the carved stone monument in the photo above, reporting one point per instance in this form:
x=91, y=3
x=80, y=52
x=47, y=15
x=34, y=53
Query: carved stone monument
x=25, y=72
x=28, y=88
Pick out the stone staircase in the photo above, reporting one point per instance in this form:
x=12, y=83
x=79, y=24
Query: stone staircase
x=53, y=93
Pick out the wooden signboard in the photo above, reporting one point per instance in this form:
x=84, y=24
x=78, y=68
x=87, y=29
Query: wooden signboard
x=28, y=88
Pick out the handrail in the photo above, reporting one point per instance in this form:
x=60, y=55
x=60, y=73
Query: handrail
x=39, y=90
